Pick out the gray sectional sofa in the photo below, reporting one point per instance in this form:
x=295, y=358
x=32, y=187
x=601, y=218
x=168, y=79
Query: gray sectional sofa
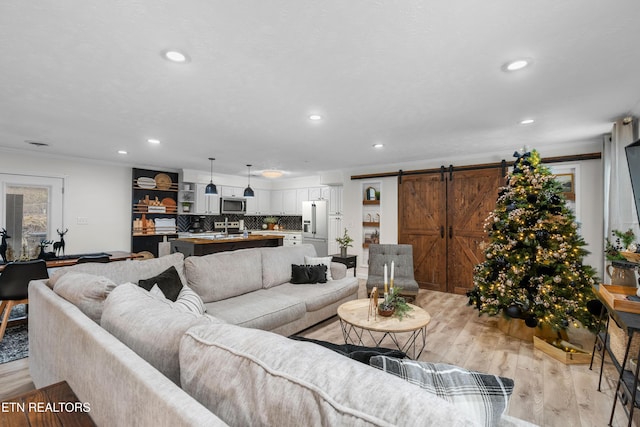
x=139, y=359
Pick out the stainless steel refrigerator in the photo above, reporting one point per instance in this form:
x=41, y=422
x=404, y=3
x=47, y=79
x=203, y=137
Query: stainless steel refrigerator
x=315, y=225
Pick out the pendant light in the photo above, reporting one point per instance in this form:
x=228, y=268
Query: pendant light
x=248, y=192
x=211, y=189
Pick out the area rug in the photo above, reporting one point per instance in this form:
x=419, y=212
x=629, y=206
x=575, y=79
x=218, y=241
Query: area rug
x=15, y=344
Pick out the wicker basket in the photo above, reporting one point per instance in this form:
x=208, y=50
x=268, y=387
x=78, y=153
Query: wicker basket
x=618, y=342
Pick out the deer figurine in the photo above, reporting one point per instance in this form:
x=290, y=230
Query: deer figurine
x=3, y=245
x=57, y=246
x=43, y=254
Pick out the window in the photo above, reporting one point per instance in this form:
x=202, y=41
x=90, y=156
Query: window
x=31, y=212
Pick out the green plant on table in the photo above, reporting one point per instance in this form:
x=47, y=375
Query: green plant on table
x=270, y=220
x=393, y=300
x=622, y=243
x=345, y=240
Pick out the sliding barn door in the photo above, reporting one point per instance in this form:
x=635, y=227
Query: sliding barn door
x=442, y=216
x=471, y=196
x=421, y=217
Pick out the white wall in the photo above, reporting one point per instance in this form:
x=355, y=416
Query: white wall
x=99, y=192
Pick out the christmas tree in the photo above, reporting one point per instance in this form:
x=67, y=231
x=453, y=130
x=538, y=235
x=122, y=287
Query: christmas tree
x=533, y=262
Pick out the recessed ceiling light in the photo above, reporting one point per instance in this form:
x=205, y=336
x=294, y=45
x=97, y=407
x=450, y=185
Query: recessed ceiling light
x=122, y=152
x=516, y=65
x=153, y=141
x=175, y=56
x=272, y=173
x=315, y=117
x=526, y=121
x=378, y=145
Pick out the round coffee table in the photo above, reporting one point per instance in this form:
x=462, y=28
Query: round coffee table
x=355, y=322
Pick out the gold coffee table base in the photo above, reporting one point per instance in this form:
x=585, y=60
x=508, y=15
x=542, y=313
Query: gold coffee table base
x=356, y=324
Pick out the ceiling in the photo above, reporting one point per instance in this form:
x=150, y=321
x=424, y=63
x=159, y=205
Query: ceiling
x=424, y=78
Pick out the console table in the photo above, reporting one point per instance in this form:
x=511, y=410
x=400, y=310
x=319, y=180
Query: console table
x=73, y=259
x=349, y=261
x=627, y=381
x=53, y=405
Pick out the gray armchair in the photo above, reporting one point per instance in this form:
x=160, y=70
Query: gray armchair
x=402, y=256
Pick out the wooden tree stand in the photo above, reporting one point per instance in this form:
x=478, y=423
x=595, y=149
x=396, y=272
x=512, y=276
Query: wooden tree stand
x=516, y=328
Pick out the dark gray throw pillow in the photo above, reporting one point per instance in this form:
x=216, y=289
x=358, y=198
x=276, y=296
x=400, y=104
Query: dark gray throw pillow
x=356, y=352
x=168, y=281
x=307, y=274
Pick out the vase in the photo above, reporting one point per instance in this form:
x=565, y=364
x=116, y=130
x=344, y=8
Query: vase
x=343, y=252
x=386, y=312
x=621, y=276
x=270, y=226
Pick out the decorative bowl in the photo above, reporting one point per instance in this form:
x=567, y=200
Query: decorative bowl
x=386, y=312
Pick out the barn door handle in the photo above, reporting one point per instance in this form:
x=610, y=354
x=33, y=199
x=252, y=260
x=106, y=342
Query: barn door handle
x=442, y=231
x=450, y=232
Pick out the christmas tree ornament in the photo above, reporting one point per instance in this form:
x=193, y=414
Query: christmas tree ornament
x=513, y=311
x=531, y=322
x=532, y=198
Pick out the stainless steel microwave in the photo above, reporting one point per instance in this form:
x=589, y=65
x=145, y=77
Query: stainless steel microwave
x=233, y=205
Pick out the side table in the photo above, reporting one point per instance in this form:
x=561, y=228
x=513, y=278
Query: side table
x=53, y=405
x=627, y=384
x=349, y=261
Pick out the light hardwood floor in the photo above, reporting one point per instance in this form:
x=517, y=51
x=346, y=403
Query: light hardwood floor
x=547, y=392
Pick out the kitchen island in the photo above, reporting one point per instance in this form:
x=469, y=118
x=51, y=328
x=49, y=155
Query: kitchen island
x=190, y=246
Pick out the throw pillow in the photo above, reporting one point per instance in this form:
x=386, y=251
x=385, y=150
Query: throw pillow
x=356, y=352
x=168, y=281
x=483, y=397
x=86, y=291
x=306, y=274
x=310, y=260
x=187, y=301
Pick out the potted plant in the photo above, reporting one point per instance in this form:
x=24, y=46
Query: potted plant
x=271, y=222
x=344, y=242
x=393, y=303
x=186, y=206
x=624, y=242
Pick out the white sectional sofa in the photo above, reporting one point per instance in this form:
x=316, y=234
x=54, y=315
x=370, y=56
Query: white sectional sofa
x=140, y=359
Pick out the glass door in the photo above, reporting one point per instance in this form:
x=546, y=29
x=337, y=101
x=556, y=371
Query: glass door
x=31, y=212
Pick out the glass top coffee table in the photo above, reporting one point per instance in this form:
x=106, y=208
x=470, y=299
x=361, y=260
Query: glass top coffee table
x=410, y=333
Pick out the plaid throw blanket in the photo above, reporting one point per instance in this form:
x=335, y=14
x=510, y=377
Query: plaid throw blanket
x=483, y=397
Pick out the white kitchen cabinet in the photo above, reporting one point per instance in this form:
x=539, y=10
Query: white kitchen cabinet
x=335, y=230
x=283, y=202
x=228, y=191
x=302, y=195
x=315, y=193
x=277, y=202
x=335, y=200
x=205, y=205
x=260, y=204
x=289, y=202
x=325, y=193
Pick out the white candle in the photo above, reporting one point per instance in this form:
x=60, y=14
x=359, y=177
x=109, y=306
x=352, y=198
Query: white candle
x=385, y=278
x=392, y=268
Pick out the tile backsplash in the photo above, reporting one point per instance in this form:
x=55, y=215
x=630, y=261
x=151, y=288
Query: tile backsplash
x=251, y=222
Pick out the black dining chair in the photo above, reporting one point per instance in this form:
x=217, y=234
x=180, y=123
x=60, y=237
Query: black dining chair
x=14, y=284
x=94, y=258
